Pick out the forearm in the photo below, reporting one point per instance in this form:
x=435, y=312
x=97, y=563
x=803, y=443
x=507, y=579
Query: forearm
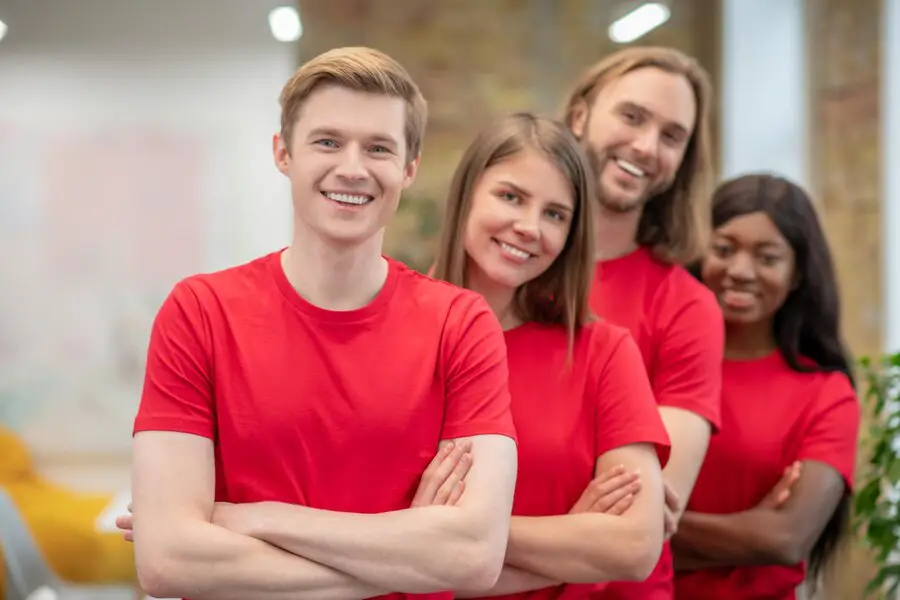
x=585, y=547
x=206, y=562
x=418, y=550
x=686, y=560
x=512, y=581
x=689, y=434
x=752, y=537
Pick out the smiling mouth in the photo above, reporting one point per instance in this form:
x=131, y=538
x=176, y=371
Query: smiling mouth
x=630, y=168
x=349, y=199
x=514, y=251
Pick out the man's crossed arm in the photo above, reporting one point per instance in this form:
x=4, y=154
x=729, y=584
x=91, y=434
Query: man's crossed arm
x=286, y=549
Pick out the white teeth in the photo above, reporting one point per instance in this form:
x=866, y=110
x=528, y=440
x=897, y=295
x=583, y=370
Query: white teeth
x=629, y=168
x=515, y=251
x=347, y=198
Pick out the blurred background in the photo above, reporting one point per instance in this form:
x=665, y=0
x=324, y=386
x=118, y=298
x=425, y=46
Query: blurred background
x=135, y=149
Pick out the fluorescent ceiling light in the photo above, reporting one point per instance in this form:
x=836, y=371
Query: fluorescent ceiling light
x=285, y=24
x=639, y=22
x=3, y=30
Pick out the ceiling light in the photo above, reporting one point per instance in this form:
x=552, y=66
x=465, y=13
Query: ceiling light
x=3, y=30
x=639, y=22
x=285, y=24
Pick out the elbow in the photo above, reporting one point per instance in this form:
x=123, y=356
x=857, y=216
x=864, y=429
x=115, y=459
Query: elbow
x=482, y=554
x=160, y=573
x=480, y=569
x=640, y=553
x=157, y=577
x=785, y=548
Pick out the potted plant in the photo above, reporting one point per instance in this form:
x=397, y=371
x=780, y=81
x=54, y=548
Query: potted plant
x=877, y=502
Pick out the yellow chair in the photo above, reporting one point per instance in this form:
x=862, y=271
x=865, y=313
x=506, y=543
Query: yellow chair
x=62, y=522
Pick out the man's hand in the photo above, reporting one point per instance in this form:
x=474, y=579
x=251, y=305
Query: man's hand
x=612, y=492
x=126, y=524
x=779, y=494
x=672, y=511
x=443, y=481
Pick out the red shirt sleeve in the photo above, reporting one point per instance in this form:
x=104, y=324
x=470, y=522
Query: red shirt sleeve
x=626, y=409
x=177, y=393
x=688, y=365
x=832, y=433
x=476, y=376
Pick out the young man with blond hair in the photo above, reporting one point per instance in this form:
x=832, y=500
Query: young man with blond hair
x=291, y=404
x=642, y=114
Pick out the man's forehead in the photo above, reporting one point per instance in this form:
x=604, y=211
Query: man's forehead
x=354, y=114
x=654, y=91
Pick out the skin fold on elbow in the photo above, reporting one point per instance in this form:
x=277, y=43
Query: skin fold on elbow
x=784, y=548
x=481, y=558
x=639, y=554
x=157, y=576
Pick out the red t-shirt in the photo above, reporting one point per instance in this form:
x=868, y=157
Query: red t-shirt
x=771, y=416
x=568, y=415
x=679, y=329
x=334, y=410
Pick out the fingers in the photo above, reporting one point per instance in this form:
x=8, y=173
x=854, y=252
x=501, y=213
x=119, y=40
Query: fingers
x=456, y=476
x=673, y=502
x=782, y=490
x=621, y=505
x=610, y=499
x=438, y=470
x=670, y=523
x=785, y=486
x=609, y=482
x=457, y=493
x=126, y=523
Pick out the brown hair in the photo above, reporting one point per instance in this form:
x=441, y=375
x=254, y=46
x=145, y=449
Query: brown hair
x=674, y=222
x=559, y=296
x=360, y=69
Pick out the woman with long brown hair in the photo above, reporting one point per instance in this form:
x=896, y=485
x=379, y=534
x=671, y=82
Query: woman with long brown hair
x=519, y=230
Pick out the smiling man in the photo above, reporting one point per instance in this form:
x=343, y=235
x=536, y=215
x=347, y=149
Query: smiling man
x=642, y=116
x=291, y=404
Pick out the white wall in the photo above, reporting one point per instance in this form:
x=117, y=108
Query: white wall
x=135, y=149
x=890, y=78
x=764, y=106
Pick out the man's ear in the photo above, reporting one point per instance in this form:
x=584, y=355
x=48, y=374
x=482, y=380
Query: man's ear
x=280, y=154
x=409, y=174
x=580, y=115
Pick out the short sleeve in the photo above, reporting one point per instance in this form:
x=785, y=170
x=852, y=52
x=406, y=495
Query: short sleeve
x=626, y=411
x=687, y=372
x=476, y=375
x=832, y=433
x=177, y=394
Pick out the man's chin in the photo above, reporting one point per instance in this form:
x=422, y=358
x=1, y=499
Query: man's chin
x=621, y=205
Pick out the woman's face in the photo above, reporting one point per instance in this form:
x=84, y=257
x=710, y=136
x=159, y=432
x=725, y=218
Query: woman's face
x=521, y=215
x=750, y=267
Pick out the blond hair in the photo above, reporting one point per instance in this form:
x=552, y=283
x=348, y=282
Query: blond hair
x=559, y=296
x=359, y=69
x=674, y=222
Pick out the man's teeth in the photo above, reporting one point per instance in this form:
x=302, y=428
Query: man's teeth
x=629, y=168
x=347, y=198
x=514, y=251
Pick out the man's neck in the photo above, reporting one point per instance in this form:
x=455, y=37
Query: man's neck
x=616, y=233
x=331, y=277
